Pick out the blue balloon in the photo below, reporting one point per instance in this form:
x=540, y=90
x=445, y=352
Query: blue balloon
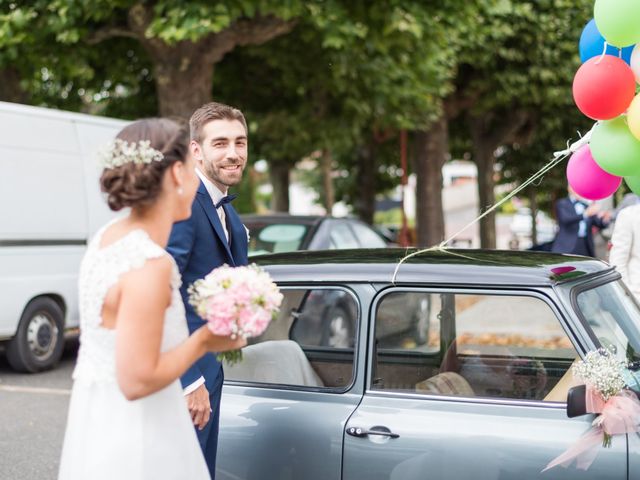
x=592, y=44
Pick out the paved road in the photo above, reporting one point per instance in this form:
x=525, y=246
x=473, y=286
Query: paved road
x=33, y=413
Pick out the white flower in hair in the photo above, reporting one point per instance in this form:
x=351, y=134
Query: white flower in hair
x=121, y=152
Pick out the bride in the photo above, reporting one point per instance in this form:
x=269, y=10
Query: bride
x=127, y=417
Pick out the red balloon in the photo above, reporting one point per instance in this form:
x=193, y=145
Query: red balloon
x=604, y=87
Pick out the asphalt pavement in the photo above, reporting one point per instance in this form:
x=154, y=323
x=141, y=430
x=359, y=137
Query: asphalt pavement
x=33, y=414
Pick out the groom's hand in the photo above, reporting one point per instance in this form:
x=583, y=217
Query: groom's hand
x=199, y=406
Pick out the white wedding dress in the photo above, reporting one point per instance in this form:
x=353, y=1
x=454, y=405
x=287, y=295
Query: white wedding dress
x=107, y=436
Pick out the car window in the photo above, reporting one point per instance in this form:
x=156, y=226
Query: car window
x=309, y=344
x=367, y=237
x=470, y=345
x=341, y=236
x=275, y=237
x=612, y=314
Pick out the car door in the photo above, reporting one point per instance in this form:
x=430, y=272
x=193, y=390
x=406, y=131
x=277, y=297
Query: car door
x=285, y=405
x=482, y=399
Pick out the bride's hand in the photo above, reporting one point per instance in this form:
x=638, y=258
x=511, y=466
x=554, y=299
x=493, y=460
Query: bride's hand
x=217, y=343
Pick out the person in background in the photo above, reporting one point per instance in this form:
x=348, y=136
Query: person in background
x=625, y=247
x=576, y=219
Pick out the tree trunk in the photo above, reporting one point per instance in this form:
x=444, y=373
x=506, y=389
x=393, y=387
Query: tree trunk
x=365, y=201
x=489, y=130
x=533, y=205
x=10, y=89
x=484, y=160
x=432, y=152
x=483, y=155
x=326, y=166
x=183, y=84
x=279, y=177
x=184, y=70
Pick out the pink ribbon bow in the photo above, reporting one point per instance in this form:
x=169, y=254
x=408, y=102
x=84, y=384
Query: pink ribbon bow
x=618, y=415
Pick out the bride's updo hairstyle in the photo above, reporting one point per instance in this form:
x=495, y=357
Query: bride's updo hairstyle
x=135, y=164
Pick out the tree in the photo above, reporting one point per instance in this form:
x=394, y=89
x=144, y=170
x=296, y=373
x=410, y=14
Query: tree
x=182, y=40
x=521, y=64
x=346, y=107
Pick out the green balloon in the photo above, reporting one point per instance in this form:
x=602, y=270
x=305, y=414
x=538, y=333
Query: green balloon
x=618, y=21
x=614, y=147
x=633, y=183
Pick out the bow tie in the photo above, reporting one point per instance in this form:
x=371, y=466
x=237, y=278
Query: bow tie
x=223, y=200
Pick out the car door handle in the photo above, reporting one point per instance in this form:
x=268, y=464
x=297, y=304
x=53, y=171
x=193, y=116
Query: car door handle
x=361, y=432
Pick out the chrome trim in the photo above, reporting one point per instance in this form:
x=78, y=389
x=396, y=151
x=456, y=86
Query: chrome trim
x=479, y=400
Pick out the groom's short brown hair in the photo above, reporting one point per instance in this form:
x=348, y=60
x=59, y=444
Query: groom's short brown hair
x=213, y=111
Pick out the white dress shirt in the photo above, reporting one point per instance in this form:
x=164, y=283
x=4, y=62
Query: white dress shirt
x=580, y=208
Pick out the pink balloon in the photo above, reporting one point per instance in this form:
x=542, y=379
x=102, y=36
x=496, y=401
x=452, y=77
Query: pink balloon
x=587, y=178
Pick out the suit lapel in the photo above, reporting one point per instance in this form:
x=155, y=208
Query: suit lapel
x=207, y=204
x=238, y=235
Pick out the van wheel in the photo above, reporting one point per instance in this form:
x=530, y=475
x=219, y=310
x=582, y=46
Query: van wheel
x=39, y=341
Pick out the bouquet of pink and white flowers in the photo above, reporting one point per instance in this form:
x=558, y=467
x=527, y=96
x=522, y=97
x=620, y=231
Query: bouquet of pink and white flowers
x=236, y=302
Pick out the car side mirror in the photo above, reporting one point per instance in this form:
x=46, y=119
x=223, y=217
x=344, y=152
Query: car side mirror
x=577, y=401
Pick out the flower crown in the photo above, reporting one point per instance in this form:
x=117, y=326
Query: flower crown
x=121, y=152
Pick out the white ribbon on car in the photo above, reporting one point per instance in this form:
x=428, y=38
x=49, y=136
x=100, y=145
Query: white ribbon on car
x=558, y=157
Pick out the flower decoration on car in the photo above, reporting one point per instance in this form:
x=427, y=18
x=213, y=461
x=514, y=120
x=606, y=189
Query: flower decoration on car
x=607, y=395
x=120, y=152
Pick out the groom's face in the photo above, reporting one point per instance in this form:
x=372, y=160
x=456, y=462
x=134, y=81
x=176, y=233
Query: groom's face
x=222, y=155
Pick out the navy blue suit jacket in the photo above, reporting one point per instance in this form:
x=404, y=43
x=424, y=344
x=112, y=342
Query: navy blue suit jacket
x=199, y=245
x=568, y=226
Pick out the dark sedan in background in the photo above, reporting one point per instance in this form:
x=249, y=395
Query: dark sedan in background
x=279, y=233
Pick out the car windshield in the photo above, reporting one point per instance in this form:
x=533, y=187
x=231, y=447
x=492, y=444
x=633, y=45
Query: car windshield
x=614, y=317
x=275, y=237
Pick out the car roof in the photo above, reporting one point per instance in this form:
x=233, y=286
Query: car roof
x=284, y=218
x=450, y=266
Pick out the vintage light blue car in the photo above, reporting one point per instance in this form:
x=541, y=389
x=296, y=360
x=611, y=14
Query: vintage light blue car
x=482, y=394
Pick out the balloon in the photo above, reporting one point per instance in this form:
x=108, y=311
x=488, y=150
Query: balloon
x=615, y=149
x=635, y=62
x=589, y=180
x=604, y=87
x=618, y=21
x=592, y=45
x=633, y=183
x=633, y=117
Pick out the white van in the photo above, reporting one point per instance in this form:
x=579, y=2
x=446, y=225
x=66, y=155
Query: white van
x=50, y=205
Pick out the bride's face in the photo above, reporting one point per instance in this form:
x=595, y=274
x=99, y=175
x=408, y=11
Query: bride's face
x=187, y=190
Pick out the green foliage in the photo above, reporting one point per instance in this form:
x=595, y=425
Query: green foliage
x=348, y=77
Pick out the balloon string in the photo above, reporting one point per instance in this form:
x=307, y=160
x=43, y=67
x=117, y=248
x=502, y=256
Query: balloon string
x=558, y=158
x=604, y=52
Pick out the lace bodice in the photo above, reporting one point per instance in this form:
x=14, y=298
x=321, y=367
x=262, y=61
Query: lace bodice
x=101, y=269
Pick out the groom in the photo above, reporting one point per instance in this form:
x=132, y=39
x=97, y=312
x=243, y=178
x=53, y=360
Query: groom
x=213, y=236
